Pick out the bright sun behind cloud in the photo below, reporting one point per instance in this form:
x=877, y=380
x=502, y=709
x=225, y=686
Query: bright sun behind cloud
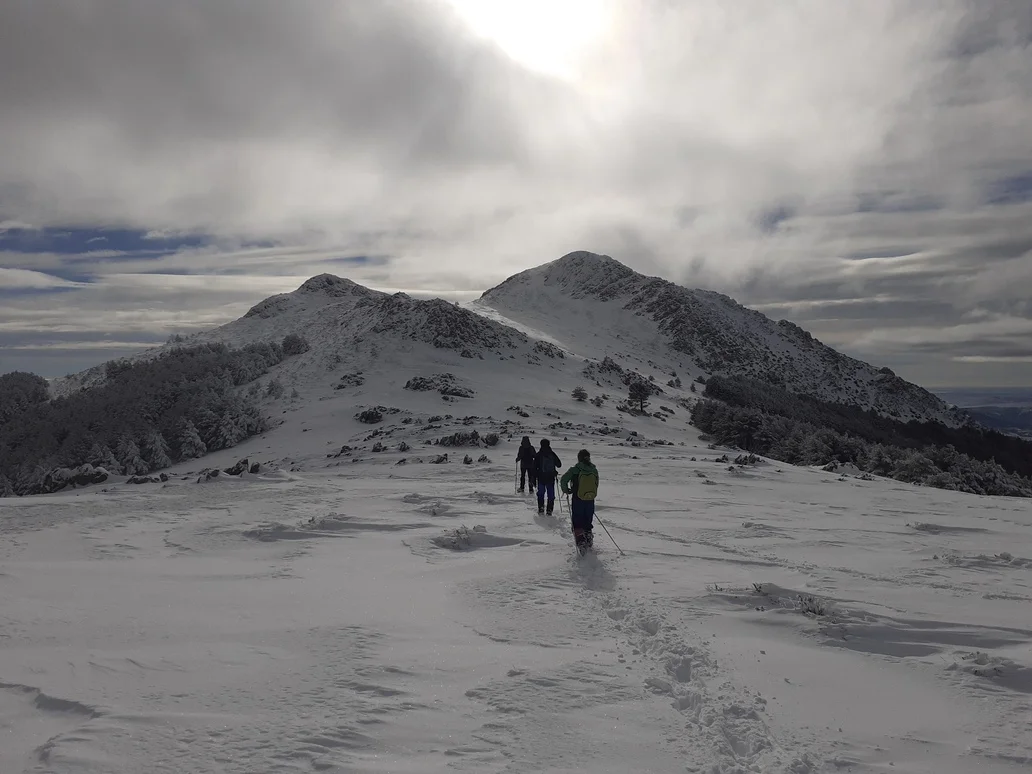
x=552, y=37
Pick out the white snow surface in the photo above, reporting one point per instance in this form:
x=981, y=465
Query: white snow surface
x=418, y=618
x=340, y=611
x=352, y=614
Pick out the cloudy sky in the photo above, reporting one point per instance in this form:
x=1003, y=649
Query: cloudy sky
x=861, y=167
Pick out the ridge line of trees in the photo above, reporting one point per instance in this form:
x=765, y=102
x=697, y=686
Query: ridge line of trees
x=803, y=430
x=144, y=417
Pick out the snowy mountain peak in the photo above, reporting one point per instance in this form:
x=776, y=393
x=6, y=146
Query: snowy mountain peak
x=324, y=287
x=333, y=286
x=579, y=274
x=652, y=321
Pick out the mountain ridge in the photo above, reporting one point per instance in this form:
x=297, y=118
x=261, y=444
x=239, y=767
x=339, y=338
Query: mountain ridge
x=583, y=305
x=718, y=334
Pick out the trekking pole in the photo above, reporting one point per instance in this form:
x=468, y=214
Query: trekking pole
x=610, y=536
x=516, y=479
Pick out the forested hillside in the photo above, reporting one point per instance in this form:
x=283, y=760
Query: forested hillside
x=145, y=416
x=803, y=430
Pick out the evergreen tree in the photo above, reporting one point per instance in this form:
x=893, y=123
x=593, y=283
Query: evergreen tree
x=189, y=442
x=579, y=394
x=76, y=449
x=128, y=454
x=100, y=456
x=639, y=393
x=155, y=450
x=231, y=430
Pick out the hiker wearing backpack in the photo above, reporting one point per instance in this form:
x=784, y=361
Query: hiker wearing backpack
x=581, y=483
x=526, y=457
x=546, y=467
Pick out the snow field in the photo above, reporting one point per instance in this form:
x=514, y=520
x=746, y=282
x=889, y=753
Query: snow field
x=340, y=621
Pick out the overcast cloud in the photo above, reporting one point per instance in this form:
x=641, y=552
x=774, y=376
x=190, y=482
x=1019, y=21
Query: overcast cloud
x=862, y=167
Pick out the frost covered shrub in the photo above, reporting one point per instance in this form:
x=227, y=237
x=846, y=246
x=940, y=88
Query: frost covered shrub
x=442, y=383
x=369, y=416
x=294, y=344
x=811, y=605
x=472, y=438
x=491, y=439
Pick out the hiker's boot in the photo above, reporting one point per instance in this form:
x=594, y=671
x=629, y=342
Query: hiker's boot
x=541, y=507
x=580, y=540
x=589, y=538
x=551, y=505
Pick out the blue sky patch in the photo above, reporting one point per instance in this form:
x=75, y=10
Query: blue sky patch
x=1011, y=190
x=77, y=241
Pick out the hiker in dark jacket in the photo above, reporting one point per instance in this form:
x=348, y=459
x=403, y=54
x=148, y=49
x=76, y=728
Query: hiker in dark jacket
x=581, y=483
x=526, y=457
x=546, y=467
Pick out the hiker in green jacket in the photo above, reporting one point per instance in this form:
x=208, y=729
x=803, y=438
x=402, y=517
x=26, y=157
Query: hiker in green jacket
x=581, y=482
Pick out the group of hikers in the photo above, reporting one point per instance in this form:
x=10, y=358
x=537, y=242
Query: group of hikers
x=541, y=466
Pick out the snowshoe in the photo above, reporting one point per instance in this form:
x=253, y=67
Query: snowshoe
x=581, y=539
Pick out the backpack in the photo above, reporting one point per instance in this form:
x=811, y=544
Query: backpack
x=548, y=465
x=587, y=486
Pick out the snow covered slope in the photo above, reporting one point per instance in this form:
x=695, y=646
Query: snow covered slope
x=378, y=598
x=354, y=614
x=595, y=305
x=346, y=322
x=580, y=308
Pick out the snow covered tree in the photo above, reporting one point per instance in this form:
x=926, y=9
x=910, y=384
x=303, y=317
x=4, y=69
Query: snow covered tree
x=6, y=487
x=579, y=394
x=274, y=389
x=100, y=456
x=230, y=430
x=189, y=443
x=128, y=454
x=155, y=450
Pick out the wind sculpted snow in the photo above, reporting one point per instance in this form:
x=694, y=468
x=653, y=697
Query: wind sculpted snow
x=371, y=617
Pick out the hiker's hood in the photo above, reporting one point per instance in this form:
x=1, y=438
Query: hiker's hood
x=585, y=467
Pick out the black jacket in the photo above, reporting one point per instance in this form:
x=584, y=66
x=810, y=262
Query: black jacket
x=542, y=453
x=526, y=457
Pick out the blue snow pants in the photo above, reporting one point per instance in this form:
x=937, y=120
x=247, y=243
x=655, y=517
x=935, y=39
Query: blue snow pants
x=582, y=513
x=546, y=485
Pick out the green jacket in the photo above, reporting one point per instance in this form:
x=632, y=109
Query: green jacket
x=571, y=475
